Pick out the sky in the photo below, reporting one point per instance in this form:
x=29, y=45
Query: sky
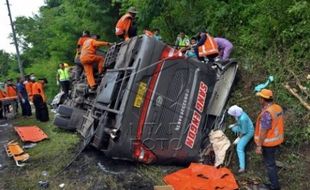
x=18, y=8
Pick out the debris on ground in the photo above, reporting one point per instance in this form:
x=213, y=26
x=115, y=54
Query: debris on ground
x=62, y=185
x=14, y=150
x=106, y=170
x=30, y=133
x=30, y=145
x=43, y=184
x=296, y=95
x=4, y=125
x=204, y=177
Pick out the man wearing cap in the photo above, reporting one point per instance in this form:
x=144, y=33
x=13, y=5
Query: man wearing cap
x=245, y=130
x=126, y=27
x=269, y=134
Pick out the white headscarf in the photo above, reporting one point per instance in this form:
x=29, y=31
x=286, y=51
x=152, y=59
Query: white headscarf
x=235, y=111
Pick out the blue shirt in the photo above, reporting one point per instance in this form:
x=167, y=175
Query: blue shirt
x=245, y=125
x=22, y=90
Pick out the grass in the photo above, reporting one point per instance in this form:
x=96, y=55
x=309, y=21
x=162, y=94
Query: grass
x=50, y=155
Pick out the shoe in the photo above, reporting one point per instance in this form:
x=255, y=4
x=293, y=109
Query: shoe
x=93, y=89
x=240, y=171
x=268, y=186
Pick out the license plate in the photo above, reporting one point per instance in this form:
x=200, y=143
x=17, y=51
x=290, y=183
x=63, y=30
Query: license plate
x=140, y=95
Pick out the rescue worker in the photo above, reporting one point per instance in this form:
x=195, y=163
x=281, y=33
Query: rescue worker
x=39, y=100
x=78, y=64
x=225, y=48
x=206, y=48
x=126, y=27
x=82, y=39
x=2, y=92
x=182, y=41
x=10, y=89
x=2, y=95
x=63, y=78
x=245, y=130
x=23, y=97
x=269, y=134
x=28, y=85
x=89, y=57
x=157, y=35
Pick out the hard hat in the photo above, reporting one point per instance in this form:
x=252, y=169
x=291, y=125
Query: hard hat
x=235, y=111
x=132, y=10
x=265, y=93
x=66, y=65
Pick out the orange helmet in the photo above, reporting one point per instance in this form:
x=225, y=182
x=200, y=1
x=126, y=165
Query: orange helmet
x=265, y=93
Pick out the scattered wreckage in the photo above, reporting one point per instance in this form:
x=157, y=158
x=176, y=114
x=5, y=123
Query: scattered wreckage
x=152, y=105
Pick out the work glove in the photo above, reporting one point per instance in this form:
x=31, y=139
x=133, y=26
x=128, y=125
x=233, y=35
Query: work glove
x=236, y=140
x=231, y=126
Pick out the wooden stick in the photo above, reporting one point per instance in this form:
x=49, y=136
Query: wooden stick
x=301, y=87
x=304, y=103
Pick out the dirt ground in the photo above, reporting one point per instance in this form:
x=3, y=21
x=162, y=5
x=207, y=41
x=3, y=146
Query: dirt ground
x=91, y=170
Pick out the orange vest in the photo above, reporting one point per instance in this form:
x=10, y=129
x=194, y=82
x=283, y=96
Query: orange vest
x=28, y=87
x=209, y=48
x=37, y=88
x=123, y=24
x=11, y=91
x=275, y=135
x=2, y=94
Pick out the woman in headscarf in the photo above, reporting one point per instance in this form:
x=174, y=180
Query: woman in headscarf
x=245, y=131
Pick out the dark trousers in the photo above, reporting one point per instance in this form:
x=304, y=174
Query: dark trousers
x=41, y=108
x=270, y=164
x=65, y=86
x=26, y=108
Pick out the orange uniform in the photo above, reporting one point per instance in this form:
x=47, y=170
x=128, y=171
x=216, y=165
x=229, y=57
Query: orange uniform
x=275, y=135
x=11, y=91
x=82, y=40
x=209, y=48
x=37, y=88
x=123, y=25
x=88, y=57
x=28, y=87
x=2, y=94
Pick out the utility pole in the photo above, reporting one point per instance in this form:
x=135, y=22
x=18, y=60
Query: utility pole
x=20, y=64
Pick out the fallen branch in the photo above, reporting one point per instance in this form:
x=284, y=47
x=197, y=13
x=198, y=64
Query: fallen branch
x=304, y=103
x=301, y=87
